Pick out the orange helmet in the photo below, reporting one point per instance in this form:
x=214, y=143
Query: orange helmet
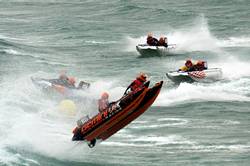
x=105, y=95
x=72, y=80
x=200, y=62
x=142, y=77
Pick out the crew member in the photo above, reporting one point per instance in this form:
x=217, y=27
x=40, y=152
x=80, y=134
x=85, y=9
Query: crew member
x=71, y=82
x=200, y=65
x=151, y=41
x=137, y=83
x=103, y=103
x=163, y=41
x=188, y=66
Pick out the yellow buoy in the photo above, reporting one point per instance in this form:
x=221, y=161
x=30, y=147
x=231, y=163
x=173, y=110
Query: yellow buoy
x=67, y=107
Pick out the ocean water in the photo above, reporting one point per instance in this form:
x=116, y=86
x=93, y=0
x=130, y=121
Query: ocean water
x=189, y=124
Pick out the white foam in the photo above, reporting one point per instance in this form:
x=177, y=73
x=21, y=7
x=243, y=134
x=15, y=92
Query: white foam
x=186, y=93
x=232, y=67
x=238, y=148
x=160, y=123
x=100, y=42
x=122, y=144
x=12, y=51
x=231, y=122
x=241, y=41
x=33, y=123
x=163, y=140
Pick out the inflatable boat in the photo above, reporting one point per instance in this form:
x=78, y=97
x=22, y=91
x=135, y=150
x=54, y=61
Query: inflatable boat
x=57, y=85
x=117, y=116
x=208, y=75
x=146, y=50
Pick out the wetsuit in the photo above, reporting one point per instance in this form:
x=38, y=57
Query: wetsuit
x=152, y=41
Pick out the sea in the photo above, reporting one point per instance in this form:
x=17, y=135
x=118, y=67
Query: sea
x=198, y=124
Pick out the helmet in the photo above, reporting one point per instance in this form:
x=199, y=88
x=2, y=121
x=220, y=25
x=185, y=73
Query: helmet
x=63, y=76
x=142, y=77
x=188, y=62
x=105, y=95
x=150, y=34
x=200, y=62
x=72, y=80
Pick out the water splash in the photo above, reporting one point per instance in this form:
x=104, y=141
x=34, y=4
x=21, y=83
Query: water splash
x=189, y=38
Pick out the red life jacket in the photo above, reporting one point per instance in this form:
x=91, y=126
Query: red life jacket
x=102, y=104
x=136, y=84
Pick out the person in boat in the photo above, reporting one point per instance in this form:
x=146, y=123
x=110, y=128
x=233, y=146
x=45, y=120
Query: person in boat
x=151, y=41
x=137, y=83
x=69, y=82
x=163, y=41
x=188, y=66
x=66, y=81
x=200, y=65
x=103, y=102
x=64, y=84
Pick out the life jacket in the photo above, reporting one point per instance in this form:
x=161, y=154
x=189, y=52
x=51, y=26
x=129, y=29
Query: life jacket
x=183, y=68
x=187, y=69
x=136, y=84
x=103, y=104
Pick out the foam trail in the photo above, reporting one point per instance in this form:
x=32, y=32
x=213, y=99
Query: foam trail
x=232, y=67
x=188, y=93
x=241, y=41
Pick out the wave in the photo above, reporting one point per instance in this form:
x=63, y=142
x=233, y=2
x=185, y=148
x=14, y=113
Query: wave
x=11, y=52
x=5, y=43
x=100, y=42
x=163, y=140
x=53, y=63
x=147, y=141
x=160, y=123
x=242, y=41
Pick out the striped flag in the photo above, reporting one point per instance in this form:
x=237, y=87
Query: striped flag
x=197, y=74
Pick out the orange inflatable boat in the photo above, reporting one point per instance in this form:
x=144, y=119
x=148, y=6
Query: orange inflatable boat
x=118, y=115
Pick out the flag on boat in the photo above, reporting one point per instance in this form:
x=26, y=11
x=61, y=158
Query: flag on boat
x=197, y=74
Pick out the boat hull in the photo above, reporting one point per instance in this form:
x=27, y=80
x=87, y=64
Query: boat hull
x=209, y=75
x=146, y=50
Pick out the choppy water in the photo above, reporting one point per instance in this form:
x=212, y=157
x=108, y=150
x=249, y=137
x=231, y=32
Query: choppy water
x=191, y=124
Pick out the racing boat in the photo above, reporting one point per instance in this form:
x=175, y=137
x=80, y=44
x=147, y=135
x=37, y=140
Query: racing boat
x=207, y=75
x=57, y=85
x=146, y=50
x=118, y=115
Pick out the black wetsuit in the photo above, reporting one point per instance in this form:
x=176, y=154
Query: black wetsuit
x=152, y=41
